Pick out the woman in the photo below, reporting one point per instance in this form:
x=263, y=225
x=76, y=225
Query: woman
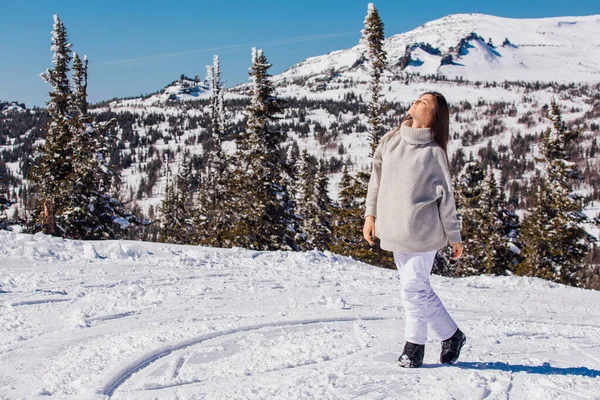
x=410, y=206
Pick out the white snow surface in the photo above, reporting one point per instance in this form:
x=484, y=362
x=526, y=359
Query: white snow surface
x=137, y=320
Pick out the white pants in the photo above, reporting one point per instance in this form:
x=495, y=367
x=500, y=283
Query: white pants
x=422, y=306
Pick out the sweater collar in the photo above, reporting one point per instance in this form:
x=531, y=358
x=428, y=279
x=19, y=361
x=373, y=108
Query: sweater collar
x=416, y=135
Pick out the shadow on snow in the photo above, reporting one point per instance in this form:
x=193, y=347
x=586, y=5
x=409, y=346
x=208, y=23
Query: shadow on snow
x=544, y=369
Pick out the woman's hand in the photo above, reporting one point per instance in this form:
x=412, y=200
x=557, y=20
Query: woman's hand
x=369, y=229
x=457, y=249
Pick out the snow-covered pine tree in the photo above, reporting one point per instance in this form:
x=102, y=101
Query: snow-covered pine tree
x=345, y=193
x=318, y=227
x=213, y=216
x=343, y=229
x=469, y=188
x=373, y=37
x=266, y=218
x=183, y=201
x=304, y=189
x=290, y=173
x=91, y=211
x=555, y=241
x=498, y=255
x=218, y=116
x=78, y=101
x=168, y=209
x=53, y=162
x=78, y=218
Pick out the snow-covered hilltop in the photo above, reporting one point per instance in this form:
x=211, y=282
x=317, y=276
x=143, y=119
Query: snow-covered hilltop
x=480, y=47
x=138, y=320
x=13, y=106
x=183, y=89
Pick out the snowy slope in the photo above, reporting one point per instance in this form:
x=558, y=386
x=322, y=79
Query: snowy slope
x=180, y=90
x=562, y=49
x=6, y=108
x=120, y=319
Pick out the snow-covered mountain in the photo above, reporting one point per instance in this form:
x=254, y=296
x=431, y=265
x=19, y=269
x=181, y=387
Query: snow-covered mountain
x=473, y=46
x=480, y=47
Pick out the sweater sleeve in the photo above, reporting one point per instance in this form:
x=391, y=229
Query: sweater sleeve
x=373, y=188
x=446, y=203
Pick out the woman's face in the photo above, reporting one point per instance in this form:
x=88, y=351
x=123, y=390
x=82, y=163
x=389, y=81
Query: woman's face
x=422, y=109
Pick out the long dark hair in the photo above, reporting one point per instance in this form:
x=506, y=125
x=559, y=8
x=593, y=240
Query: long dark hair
x=440, y=124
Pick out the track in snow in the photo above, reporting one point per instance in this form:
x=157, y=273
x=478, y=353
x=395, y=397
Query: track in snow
x=125, y=373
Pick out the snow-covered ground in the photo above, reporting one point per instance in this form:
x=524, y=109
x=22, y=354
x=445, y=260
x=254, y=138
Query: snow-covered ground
x=136, y=320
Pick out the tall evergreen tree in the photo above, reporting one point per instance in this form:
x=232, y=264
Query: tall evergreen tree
x=176, y=208
x=168, y=209
x=91, y=210
x=78, y=101
x=290, y=174
x=53, y=162
x=345, y=193
x=373, y=37
x=317, y=226
x=498, y=255
x=344, y=231
x=489, y=229
x=218, y=116
x=304, y=190
x=555, y=241
x=71, y=176
x=469, y=188
x=213, y=216
x=266, y=219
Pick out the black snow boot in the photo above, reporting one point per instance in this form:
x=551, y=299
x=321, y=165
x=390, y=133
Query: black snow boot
x=451, y=347
x=412, y=355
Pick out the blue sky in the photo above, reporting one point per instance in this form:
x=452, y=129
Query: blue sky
x=137, y=47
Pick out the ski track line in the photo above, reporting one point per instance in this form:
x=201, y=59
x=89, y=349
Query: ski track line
x=372, y=387
x=51, y=291
x=126, y=372
x=564, y=391
x=110, y=316
x=167, y=281
x=585, y=353
x=243, y=379
x=33, y=302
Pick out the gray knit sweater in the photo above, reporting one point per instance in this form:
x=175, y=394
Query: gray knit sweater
x=410, y=193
